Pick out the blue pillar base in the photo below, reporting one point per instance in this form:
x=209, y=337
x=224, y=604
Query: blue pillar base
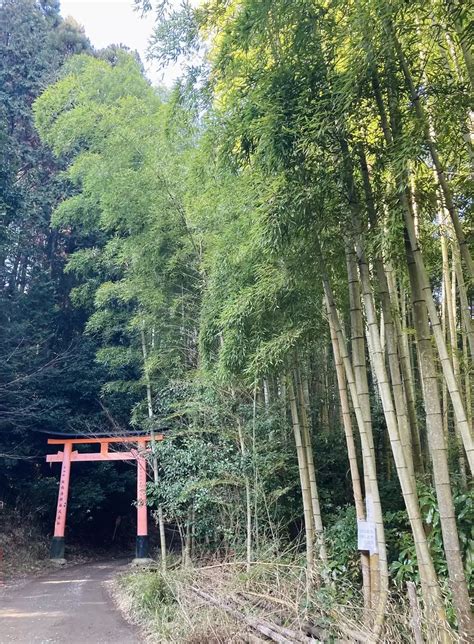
x=142, y=556
x=142, y=550
x=57, y=550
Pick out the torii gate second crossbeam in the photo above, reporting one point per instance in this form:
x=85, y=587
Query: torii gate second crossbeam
x=69, y=456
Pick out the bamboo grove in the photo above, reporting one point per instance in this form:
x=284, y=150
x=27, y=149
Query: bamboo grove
x=277, y=260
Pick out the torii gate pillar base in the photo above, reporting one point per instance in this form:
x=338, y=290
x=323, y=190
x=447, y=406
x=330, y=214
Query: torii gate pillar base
x=57, y=550
x=143, y=548
x=142, y=551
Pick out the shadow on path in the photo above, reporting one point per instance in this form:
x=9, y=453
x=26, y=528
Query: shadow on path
x=69, y=606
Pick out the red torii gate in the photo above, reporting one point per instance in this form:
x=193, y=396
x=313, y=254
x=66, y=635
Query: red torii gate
x=69, y=456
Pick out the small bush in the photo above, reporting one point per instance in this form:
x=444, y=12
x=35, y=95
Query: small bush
x=149, y=590
x=341, y=539
x=162, y=605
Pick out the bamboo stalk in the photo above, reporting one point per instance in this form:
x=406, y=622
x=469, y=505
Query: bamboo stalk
x=304, y=478
x=362, y=387
x=367, y=449
x=308, y=450
x=352, y=454
x=151, y=415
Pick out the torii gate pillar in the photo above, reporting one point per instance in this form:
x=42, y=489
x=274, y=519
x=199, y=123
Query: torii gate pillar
x=68, y=456
x=142, y=549
x=57, y=544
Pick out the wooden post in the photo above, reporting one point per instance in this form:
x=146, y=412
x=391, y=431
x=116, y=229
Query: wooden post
x=57, y=544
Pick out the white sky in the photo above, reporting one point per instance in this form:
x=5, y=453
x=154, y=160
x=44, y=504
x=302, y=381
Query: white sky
x=109, y=22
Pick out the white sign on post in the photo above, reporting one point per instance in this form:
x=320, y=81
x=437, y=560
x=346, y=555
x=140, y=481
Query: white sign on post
x=367, y=536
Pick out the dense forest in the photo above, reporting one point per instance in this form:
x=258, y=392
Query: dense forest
x=270, y=263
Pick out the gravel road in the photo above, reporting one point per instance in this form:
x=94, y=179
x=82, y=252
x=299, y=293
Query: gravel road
x=69, y=606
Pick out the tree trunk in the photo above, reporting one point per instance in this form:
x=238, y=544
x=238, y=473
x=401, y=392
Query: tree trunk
x=248, y=499
x=188, y=539
x=352, y=454
x=387, y=320
x=151, y=415
x=464, y=303
x=438, y=450
x=467, y=379
x=367, y=451
x=304, y=478
x=450, y=293
x=453, y=388
x=308, y=449
x=362, y=387
x=431, y=590
x=409, y=214
x=406, y=368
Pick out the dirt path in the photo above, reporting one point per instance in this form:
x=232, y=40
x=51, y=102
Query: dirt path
x=69, y=606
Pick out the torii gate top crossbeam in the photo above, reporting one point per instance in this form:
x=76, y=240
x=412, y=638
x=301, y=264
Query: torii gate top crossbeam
x=105, y=439
x=104, y=454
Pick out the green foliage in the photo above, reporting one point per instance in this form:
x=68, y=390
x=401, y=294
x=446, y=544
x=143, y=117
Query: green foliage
x=151, y=596
x=341, y=536
x=191, y=231
x=49, y=379
x=404, y=566
x=121, y=137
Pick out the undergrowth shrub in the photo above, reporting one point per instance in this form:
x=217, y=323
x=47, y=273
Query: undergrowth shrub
x=149, y=590
x=341, y=539
x=163, y=605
